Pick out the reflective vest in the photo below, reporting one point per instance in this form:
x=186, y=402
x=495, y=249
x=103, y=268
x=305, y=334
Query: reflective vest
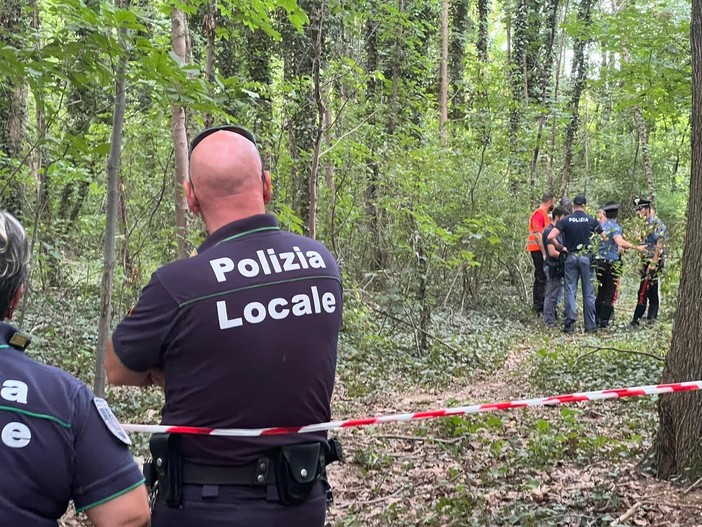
x=532, y=245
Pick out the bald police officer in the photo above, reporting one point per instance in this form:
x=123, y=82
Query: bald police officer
x=577, y=229
x=245, y=336
x=58, y=442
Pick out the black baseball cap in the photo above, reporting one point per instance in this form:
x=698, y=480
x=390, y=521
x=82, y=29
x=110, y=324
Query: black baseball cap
x=580, y=199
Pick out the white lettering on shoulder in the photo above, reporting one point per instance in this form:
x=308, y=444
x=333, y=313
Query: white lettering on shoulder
x=16, y=435
x=15, y=391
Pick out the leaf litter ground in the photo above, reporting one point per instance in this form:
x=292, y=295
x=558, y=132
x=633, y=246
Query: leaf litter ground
x=574, y=465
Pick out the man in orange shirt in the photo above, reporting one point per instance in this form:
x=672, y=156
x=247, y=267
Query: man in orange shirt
x=537, y=223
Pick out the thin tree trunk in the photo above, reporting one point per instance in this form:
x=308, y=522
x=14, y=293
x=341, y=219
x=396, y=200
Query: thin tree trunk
x=554, y=98
x=113, y=168
x=209, y=24
x=579, y=74
x=545, y=83
x=443, y=74
x=180, y=139
x=640, y=122
x=678, y=448
x=482, y=43
x=319, y=102
x=643, y=140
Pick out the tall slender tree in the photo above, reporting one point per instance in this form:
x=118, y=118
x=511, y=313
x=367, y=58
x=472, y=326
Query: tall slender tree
x=113, y=169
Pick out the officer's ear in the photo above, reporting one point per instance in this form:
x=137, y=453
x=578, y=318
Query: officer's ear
x=193, y=203
x=14, y=303
x=267, y=187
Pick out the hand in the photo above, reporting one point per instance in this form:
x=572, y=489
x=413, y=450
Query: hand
x=641, y=248
x=564, y=249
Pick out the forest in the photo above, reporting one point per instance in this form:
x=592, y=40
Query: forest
x=414, y=138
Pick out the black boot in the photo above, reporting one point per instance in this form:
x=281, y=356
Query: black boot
x=605, y=315
x=638, y=313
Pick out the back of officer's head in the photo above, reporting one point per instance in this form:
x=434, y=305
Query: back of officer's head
x=559, y=213
x=14, y=257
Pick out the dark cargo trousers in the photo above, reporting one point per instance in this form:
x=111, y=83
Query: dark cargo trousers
x=240, y=506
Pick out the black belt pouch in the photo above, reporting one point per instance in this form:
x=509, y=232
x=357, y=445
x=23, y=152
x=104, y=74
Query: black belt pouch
x=297, y=469
x=167, y=460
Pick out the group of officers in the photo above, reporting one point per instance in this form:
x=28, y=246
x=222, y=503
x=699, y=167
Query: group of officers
x=568, y=245
x=243, y=334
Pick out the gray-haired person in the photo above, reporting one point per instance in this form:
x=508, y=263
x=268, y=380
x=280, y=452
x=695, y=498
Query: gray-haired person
x=58, y=442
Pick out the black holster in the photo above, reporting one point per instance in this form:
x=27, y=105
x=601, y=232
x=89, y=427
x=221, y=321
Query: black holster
x=300, y=467
x=165, y=467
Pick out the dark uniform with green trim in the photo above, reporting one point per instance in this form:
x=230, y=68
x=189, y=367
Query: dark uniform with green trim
x=246, y=331
x=58, y=442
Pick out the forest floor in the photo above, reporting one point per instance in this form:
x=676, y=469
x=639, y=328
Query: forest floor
x=573, y=465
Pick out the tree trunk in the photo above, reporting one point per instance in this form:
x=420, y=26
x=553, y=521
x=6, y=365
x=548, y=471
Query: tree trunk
x=678, y=448
x=643, y=141
x=443, y=74
x=459, y=23
x=13, y=110
x=579, y=74
x=113, y=167
x=180, y=139
x=546, y=105
x=302, y=123
x=482, y=43
x=373, y=220
x=209, y=24
x=319, y=133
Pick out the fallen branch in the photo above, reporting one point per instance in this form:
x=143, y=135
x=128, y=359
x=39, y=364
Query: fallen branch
x=688, y=489
x=595, y=349
x=420, y=438
x=629, y=513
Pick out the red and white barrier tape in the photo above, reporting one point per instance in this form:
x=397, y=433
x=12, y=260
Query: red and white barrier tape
x=459, y=410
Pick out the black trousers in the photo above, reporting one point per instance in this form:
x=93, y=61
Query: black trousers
x=648, y=294
x=608, y=274
x=539, y=281
x=240, y=506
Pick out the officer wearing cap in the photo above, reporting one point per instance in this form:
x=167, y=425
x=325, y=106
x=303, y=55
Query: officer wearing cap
x=58, y=442
x=653, y=260
x=577, y=229
x=607, y=263
x=243, y=335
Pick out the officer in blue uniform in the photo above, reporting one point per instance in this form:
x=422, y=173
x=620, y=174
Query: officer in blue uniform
x=652, y=262
x=608, y=264
x=244, y=334
x=577, y=229
x=58, y=442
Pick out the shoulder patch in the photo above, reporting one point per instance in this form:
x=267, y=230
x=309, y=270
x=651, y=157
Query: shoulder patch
x=110, y=420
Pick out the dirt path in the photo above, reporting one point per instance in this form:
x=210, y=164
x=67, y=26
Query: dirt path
x=415, y=474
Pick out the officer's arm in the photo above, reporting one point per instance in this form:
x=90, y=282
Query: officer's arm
x=131, y=509
x=621, y=242
x=119, y=375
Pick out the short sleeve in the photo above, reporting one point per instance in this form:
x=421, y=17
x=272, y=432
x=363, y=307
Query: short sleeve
x=104, y=468
x=596, y=226
x=560, y=225
x=139, y=338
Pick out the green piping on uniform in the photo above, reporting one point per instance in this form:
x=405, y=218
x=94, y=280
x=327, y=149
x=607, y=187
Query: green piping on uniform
x=109, y=498
x=256, y=286
x=39, y=416
x=247, y=232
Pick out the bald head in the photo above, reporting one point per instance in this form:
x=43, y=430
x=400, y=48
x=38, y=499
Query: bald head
x=225, y=175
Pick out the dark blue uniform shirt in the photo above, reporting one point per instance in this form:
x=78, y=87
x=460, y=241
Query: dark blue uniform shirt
x=247, y=333
x=54, y=445
x=577, y=229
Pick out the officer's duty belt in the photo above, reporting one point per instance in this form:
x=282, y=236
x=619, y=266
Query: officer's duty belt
x=260, y=472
